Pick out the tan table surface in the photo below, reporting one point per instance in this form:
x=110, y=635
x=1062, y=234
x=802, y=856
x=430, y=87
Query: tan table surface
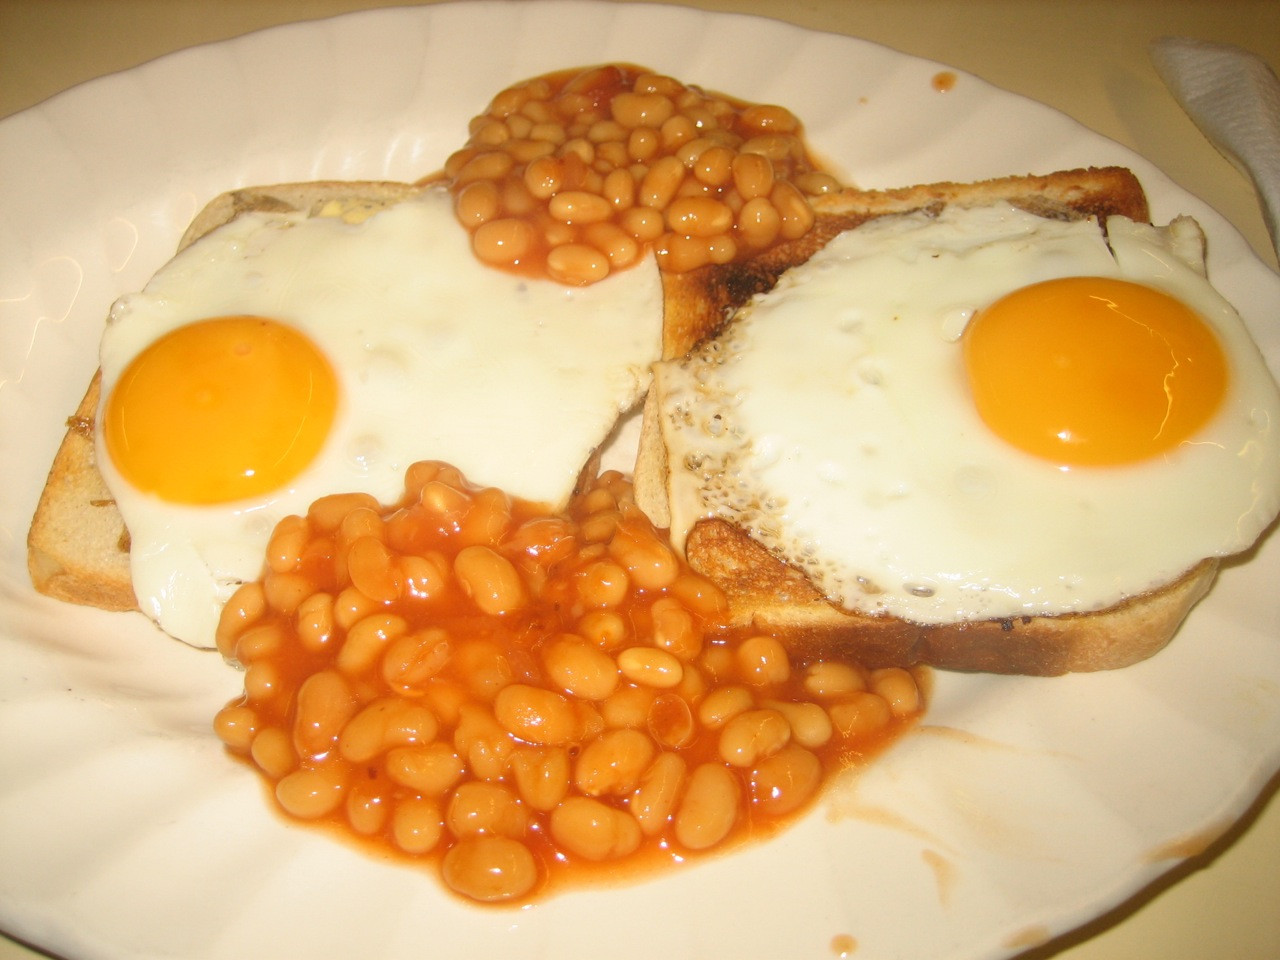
x=1087, y=59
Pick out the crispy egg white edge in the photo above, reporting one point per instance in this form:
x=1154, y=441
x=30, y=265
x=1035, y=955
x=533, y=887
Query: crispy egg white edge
x=863, y=462
x=513, y=380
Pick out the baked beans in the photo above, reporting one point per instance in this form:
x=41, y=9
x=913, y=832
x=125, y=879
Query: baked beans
x=520, y=697
x=572, y=174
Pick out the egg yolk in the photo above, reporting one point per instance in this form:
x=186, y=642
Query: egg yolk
x=220, y=410
x=1093, y=371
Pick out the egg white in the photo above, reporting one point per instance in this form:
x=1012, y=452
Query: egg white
x=512, y=380
x=833, y=421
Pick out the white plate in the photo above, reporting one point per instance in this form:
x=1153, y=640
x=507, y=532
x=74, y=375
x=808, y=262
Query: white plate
x=1023, y=808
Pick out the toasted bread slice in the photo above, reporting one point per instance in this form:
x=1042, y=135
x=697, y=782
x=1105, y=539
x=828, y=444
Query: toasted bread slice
x=768, y=595
x=77, y=546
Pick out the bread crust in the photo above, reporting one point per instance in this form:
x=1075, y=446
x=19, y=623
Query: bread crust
x=77, y=545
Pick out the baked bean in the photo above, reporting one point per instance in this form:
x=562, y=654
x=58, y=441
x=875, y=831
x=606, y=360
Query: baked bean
x=236, y=725
x=767, y=118
x=810, y=725
x=633, y=110
x=581, y=148
x=643, y=223
x=489, y=868
x=615, y=243
x=831, y=678
x=721, y=249
x=670, y=720
x=262, y=682
x=325, y=704
x=487, y=132
x=504, y=241
x=424, y=577
x=525, y=151
x=677, y=131
x=629, y=707
x=650, y=563
x=655, y=798
x=536, y=715
x=284, y=549
x=861, y=714
x=327, y=513
x=815, y=183
x=366, y=808
x=431, y=769
x=699, y=595
x=445, y=700
x=759, y=223
x=285, y=591
x=605, y=628
x=674, y=629
x=660, y=183
x=709, y=807
x=517, y=201
x=547, y=540
x=311, y=793
x=577, y=264
x=351, y=606
x=898, y=688
x=541, y=775
x=366, y=639
x=619, y=189
x=579, y=668
x=543, y=178
x=650, y=667
x=259, y=641
x=413, y=659
x=484, y=166
x=371, y=570
x=785, y=781
x=723, y=704
x=603, y=584
x=479, y=807
x=272, y=750
x=578, y=206
x=384, y=725
x=793, y=208
x=484, y=667
x=314, y=622
x=752, y=175
x=243, y=609
x=490, y=580
x=594, y=830
x=612, y=763
x=753, y=735
x=416, y=825
x=714, y=166
x=763, y=660
x=677, y=253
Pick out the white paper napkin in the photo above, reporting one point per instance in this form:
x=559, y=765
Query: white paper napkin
x=1234, y=98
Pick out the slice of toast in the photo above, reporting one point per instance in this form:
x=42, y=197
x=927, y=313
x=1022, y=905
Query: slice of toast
x=77, y=546
x=768, y=595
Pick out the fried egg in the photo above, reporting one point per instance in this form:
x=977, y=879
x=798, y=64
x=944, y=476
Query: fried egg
x=982, y=414
x=283, y=357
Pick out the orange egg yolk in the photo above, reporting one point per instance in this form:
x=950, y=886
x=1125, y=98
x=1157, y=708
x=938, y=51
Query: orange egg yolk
x=220, y=410
x=1093, y=371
